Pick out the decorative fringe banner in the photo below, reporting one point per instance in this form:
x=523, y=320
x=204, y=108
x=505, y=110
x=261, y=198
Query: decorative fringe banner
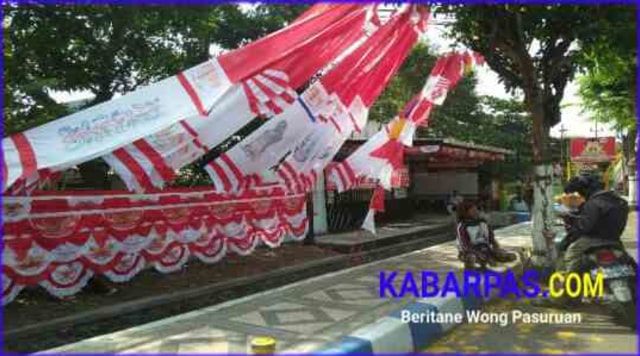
x=60, y=241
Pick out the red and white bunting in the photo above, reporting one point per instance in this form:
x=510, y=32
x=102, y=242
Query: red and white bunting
x=106, y=127
x=318, y=147
x=266, y=92
x=384, y=152
x=359, y=77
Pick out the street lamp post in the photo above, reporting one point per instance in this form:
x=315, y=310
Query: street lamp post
x=562, y=157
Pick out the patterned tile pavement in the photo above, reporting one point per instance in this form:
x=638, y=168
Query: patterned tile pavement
x=302, y=316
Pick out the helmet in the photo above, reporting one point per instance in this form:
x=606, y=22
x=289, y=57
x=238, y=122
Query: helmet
x=584, y=185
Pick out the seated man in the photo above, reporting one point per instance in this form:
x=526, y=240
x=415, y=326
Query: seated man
x=600, y=221
x=476, y=240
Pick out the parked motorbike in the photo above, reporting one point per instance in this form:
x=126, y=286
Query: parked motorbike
x=619, y=271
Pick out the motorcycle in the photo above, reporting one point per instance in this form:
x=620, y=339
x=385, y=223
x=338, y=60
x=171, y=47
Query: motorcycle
x=619, y=271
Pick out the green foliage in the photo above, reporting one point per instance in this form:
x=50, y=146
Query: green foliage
x=463, y=116
x=405, y=84
x=534, y=48
x=110, y=50
x=608, y=86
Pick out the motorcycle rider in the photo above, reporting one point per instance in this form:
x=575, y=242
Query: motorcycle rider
x=600, y=221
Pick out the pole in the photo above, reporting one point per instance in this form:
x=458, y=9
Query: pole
x=562, y=150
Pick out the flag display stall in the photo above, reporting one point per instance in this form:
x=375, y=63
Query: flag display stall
x=60, y=240
x=341, y=97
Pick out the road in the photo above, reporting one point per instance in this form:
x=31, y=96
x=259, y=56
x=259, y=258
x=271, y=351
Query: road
x=595, y=334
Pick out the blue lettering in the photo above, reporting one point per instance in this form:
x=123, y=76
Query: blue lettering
x=409, y=284
x=451, y=285
x=532, y=289
x=510, y=286
x=488, y=286
x=387, y=284
x=429, y=279
x=472, y=282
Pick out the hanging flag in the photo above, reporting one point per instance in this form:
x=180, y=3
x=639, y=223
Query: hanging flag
x=152, y=162
x=376, y=205
x=354, y=83
x=105, y=127
x=383, y=153
x=318, y=147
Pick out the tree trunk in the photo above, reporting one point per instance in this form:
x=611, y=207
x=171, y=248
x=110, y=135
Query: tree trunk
x=544, y=253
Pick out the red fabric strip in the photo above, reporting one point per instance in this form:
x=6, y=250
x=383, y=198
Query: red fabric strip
x=293, y=174
x=234, y=169
x=286, y=179
x=158, y=162
x=341, y=176
x=192, y=94
x=194, y=135
x=253, y=102
x=226, y=184
x=335, y=123
x=133, y=166
x=27, y=156
x=349, y=170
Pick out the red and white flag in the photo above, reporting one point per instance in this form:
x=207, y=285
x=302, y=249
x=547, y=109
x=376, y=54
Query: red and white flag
x=318, y=147
x=103, y=128
x=383, y=153
x=151, y=162
x=346, y=92
x=376, y=205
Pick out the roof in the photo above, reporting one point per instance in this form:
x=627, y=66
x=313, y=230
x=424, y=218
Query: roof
x=457, y=143
x=447, y=142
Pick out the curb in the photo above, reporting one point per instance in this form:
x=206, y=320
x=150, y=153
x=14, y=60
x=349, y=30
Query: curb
x=390, y=334
x=146, y=303
x=416, y=234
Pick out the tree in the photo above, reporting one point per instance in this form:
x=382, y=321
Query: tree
x=608, y=84
x=111, y=50
x=535, y=49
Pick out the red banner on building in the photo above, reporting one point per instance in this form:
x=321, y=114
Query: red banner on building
x=591, y=150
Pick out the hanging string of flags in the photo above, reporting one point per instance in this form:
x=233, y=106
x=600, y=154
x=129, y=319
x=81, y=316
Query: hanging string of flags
x=106, y=128
x=146, y=136
x=266, y=94
x=383, y=153
x=341, y=97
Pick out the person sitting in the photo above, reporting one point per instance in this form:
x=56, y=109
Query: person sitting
x=476, y=241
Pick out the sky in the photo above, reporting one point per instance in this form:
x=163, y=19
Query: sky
x=576, y=123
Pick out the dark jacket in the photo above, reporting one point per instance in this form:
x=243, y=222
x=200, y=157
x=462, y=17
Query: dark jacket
x=603, y=216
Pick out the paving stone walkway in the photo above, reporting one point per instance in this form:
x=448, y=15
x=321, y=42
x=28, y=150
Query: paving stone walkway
x=302, y=317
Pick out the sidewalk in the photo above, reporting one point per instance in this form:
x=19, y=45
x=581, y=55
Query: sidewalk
x=306, y=316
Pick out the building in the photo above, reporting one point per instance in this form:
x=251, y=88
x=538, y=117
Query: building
x=434, y=168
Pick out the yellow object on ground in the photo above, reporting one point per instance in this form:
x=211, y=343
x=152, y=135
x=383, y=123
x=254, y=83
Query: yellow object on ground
x=263, y=345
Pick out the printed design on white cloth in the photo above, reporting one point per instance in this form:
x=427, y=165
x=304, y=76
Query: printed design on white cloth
x=169, y=139
x=269, y=92
x=304, y=150
x=205, y=76
x=256, y=147
x=56, y=227
x=104, y=126
x=435, y=90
